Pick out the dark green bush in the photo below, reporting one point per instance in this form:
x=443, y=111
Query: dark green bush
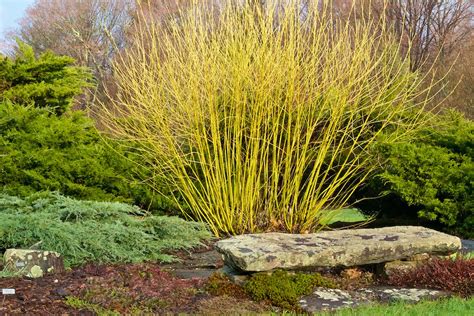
x=44, y=146
x=283, y=289
x=86, y=231
x=435, y=174
x=41, y=151
x=47, y=81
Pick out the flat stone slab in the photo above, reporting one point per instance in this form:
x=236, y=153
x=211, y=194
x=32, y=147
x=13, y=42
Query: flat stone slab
x=33, y=263
x=331, y=299
x=351, y=247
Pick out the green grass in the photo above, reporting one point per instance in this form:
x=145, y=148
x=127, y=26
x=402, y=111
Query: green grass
x=344, y=215
x=447, y=307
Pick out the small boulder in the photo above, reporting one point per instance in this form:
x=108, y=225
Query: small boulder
x=332, y=299
x=33, y=263
x=400, y=266
x=349, y=248
x=405, y=265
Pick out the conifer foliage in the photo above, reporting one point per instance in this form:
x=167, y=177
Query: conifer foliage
x=46, y=146
x=46, y=81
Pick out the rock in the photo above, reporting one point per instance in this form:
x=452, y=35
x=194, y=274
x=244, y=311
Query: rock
x=192, y=273
x=405, y=265
x=467, y=245
x=400, y=266
x=410, y=295
x=331, y=299
x=352, y=247
x=235, y=276
x=33, y=263
x=61, y=292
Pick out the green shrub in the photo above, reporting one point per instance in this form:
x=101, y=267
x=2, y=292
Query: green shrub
x=435, y=174
x=40, y=151
x=47, y=81
x=87, y=231
x=284, y=289
x=43, y=146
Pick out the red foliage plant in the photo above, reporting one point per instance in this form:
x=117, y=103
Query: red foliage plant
x=143, y=288
x=455, y=276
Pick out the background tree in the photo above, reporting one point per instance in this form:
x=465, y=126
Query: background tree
x=437, y=35
x=90, y=31
x=431, y=27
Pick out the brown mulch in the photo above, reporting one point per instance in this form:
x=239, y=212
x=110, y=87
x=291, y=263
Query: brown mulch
x=125, y=288
x=43, y=296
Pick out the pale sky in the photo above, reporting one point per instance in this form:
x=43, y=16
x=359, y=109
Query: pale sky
x=10, y=12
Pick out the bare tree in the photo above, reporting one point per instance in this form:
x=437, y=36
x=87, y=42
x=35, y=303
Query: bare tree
x=431, y=27
x=91, y=31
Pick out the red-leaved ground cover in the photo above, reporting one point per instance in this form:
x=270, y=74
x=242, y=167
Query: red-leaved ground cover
x=456, y=276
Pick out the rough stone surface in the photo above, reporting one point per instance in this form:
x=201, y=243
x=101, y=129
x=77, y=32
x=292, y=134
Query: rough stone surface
x=331, y=299
x=192, y=273
x=268, y=251
x=467, y=245
x=235, y=276
x=406, y=265
x=33, y=263
x=398, y=265
x=199, y=265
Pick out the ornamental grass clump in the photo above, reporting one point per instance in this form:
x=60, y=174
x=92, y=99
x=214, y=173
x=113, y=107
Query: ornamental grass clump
x=262, y=117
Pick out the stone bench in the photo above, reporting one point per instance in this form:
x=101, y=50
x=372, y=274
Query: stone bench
x=351, y=247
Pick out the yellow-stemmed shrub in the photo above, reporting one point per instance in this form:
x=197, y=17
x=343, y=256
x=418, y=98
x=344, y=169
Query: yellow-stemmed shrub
x=262, y=117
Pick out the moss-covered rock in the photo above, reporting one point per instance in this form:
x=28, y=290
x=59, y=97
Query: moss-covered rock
x=33, y=263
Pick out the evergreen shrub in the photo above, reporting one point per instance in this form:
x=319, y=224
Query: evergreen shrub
x=88, y=231
x=434, y=174
x=49, y=80
x=40, y=151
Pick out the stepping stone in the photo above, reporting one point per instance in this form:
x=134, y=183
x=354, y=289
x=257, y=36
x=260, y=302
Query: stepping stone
x=351, y=247
x=192, y=273
x=467, y=245
x=411, y=295
x=33, y=263
x=332, y=299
